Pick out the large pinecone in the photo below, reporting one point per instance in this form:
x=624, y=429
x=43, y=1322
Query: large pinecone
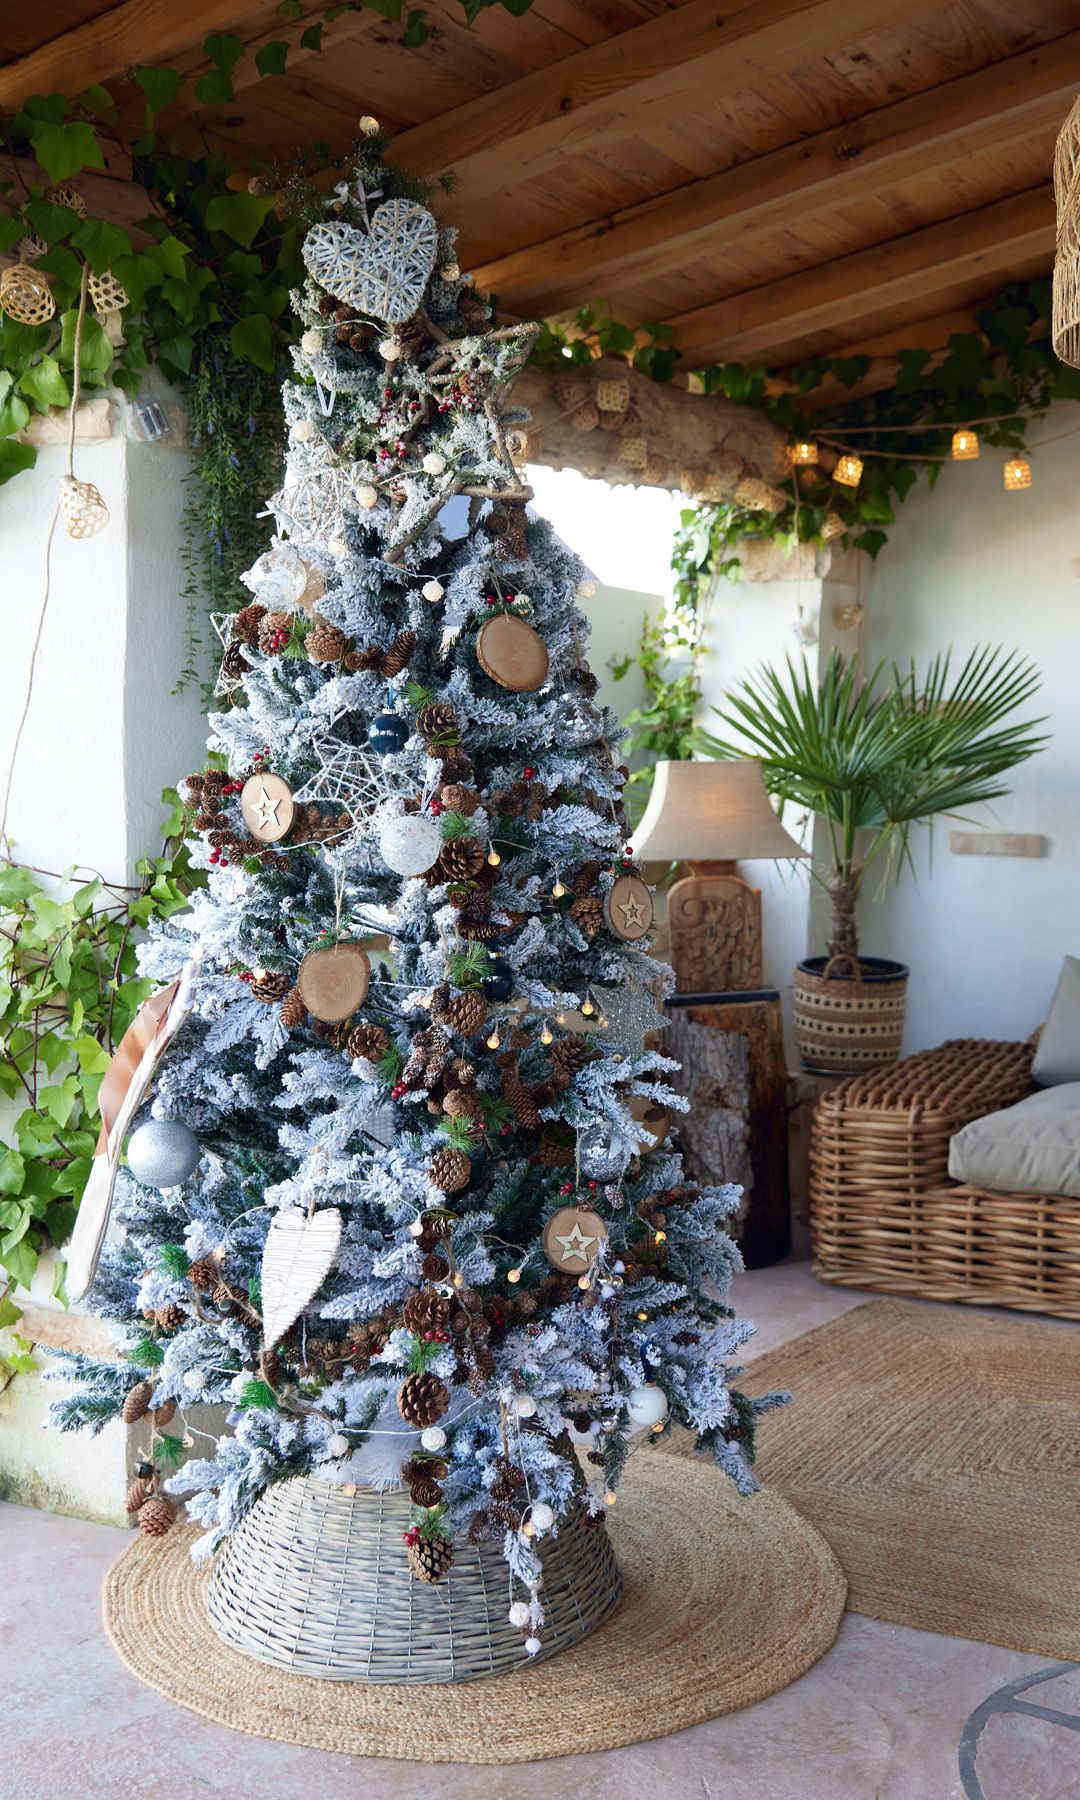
x=293, y=1010
x=326, y=643
x=203, y=1274
x=460, y=860
x=156, y=1516
x=270, y=629
x=137, y=1404
x=450, y=1170
x=570, y=1055
x=234, y=663
x=468, y=1012
x=139, y=1492
x=398, y=654
x=585, y=879
x=367, y=1040
x=422, y=1399
x=554, y=1150
x=439, y=720
x=246, y=623
x=459, y=798
x=587, y=913
x=430, y=1558
x=426, y=1311
x=270, y=987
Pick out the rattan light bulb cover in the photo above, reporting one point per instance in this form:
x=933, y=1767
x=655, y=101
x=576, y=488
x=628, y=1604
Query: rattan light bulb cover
x=848, y=471
x=802, y=454
x=82, y=509
x=965, y=446
x=25, y=295
x=1065, y=325
x=1017, y=474
x=712, y=812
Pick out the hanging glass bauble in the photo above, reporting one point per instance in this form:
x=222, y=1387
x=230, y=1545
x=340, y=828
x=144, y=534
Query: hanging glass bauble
x=498, y=983
x=576, y=723
x=388, y=733
x=601, y=1156
x=279, y=577
x=163, y=1153
x=410, y=843
x=647, y=1406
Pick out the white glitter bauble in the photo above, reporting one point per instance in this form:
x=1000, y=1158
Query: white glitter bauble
x=367, y=495
x=519, y=1613
x=586, y=590
x=195, y=1380
x=410, y=844
x=368, y=126
x=647, y=1405
x=433, y=591
x=389, y=349
x=532, y=1645
x=434, y=464
x=542, y=1516
x=304, y=431
x=279, y=577
x=338, y=1445
x=524, y=1405
x=163, y=1153
x=311, y=343
x=434, y=1438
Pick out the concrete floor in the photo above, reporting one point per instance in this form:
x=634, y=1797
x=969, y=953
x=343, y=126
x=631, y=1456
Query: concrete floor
x=887, y=1714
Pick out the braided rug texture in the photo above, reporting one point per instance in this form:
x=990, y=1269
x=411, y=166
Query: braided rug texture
x=727, y=1600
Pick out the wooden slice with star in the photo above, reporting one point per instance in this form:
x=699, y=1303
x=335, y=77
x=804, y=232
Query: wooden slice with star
x=334, y=982
x=512, y=653
x=628, y=909
x=573, y=1238
x=266, y=803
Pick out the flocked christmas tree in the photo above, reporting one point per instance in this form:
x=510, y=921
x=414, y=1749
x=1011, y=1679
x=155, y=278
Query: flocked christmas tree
x=405, y=1203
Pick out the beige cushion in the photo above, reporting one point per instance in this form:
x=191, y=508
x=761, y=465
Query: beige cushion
x=1031, y=1148
x=1057, y=1057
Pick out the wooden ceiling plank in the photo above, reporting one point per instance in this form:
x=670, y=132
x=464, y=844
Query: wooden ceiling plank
x=952, y=124
x=610, y=91
x=139, y=31
x=987, y=243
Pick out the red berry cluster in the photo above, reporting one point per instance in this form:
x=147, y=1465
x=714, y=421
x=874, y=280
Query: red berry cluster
x=435, y=807
x=458, y=396
x=400, y=450
x=528, y=772
x=233, y=787
x=220, y=861
x=399, y=1090
x=279, y=640
x=567, y=1187
x=412, y=1536
x=437, y=1337
x=245, y=974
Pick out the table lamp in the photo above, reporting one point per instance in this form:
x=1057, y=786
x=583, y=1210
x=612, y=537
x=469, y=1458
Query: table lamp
x=708, y=815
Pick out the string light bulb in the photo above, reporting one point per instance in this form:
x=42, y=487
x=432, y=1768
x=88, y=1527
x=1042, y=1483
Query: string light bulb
x=1017, y=474
x=494, y=859
x=557, y=890
x=416, y=1229
x=528, y=1529
x=513, y=1275
x=832, y=526
x=584, y=1281
x=848, y=471
x=659, y=1237
x=802, y=454
x=547, y=1035
x=560, y=1018
x=965, y=445
x=494, y=1040
x=587, y=1007
x=458, y=1279
x=610, y=1497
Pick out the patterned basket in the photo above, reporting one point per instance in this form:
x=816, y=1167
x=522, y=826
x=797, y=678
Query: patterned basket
x=316, y=1581
x=847, y=1023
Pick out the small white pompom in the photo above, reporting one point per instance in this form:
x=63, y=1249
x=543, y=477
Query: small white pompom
x=532, y=1645
x=433, y=591
x=519, y=1613
x=434, y=464
x=338, y=546
x=304, y=431
x=542, y=1516
x=366, y=495
x=389, y=349
x=368, y=126
x=524, y=1405
x=311, y=343
x=338, y=1445
x=586, y=590
x=195, y=1380
x=450, y=271
x=433, y=1438
x=239, y=1382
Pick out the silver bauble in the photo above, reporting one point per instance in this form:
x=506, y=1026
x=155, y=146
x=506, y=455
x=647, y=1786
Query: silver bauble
x=163, y=1153
x=576, y=723
x=410, y=843
x=601, y=1156
x=279, y=577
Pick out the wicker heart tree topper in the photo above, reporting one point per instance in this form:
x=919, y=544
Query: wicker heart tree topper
x=384, y=273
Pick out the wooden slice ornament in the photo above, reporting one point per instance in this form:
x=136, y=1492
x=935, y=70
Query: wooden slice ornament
x=266, y=803
x=512, y=653
x=655, y=1120
x=334, y=982
x=628, y=909
x=573, y=1239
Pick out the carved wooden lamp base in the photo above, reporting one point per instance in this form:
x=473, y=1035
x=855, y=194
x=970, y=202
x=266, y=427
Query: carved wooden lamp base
x=714, y=925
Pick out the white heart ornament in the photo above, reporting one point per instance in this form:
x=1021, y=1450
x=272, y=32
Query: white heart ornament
x=297, y=1257
x=383, y=272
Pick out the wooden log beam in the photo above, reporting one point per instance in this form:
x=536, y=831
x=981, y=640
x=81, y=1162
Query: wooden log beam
x=961, y=119
x=685, y=430
x=138, y=31
x=614, y=90
x=985, y=244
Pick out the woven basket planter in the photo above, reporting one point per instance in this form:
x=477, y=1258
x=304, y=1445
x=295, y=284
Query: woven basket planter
x=317, y=1582
x=848, y=1020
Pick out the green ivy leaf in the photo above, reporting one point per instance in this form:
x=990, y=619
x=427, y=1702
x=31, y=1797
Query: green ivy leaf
x=252, y=339
x=416, y=29
x=239, y=216
x=270, y=58
x=160, y=86
x=215, y=88
x=44, y=384
x=20, y=1259
x=14, y=415
x=311, y=39
x=96, y=352
x=290, y=9
x=62, y=150
x=224, y=49
x=12, y=1172
x=101, y=243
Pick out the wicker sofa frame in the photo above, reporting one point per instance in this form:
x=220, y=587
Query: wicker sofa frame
x=884, y=1214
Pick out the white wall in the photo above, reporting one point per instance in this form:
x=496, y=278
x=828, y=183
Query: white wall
x=970, y=564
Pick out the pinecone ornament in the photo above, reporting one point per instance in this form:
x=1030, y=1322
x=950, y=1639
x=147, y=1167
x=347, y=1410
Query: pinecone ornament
x=425, y=1491
x=368, y=1041
x=517, y=1095
x=326, y=643
x=139, y=1491
x=293, y=1010
x=450, y=1170
x=422, y=1399
x=234, y=664
x=171, y=1316
x=426, y=1311
x=428, y=1058
x=397, y=657
x=430, y=1558
x=460, y=860
x=438, y=720
x=202, y=1274
x=468, y=1012
x=271, y=986
x=570, y=1055
x=460, y=799
x=137, y=1404
x=588, y=914
x=585, y=879
x=435, y=1267
x=156, y=1516
x=274, y=632
x=247, y=623
x=163, y=1414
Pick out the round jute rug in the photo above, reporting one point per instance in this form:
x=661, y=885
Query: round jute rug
x=727, y=1600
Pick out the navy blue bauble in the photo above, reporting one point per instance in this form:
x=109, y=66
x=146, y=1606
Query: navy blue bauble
x=498, y=983
x=387, y=733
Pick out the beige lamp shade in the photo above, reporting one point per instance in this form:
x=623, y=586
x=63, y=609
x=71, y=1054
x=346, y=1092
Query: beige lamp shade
x=711, y=812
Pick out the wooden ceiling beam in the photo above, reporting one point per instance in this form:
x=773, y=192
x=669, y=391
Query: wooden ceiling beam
x=611, y=91
x=986, y=244
x=946, y=126
x=138, y=31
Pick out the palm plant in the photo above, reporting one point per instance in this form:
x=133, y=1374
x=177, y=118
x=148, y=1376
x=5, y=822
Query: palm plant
x=872, y=757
